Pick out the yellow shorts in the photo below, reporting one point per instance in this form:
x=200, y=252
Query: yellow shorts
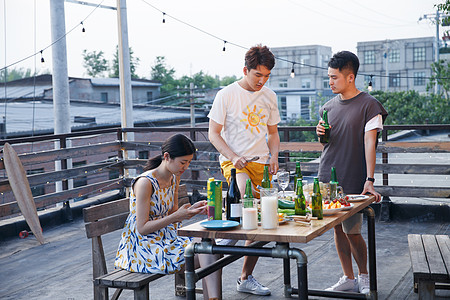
x=254, y=170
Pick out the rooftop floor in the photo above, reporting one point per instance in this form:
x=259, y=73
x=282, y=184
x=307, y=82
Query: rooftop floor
x=62, y=268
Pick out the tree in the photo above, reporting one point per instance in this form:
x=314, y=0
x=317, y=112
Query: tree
x=441, y=76
x=409, y=107
x=134, y=62
x=94, y=63
x=164, y=74
x=14, y=74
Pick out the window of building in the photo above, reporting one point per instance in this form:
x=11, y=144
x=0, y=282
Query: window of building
x=283, y=83
x=38, y=189
x=305, y=59
x=304, y=107
x=326, y=82
x=143, y=154
x=282, y=107
x=419, y=54
x=394, y=80
x=306, y=83
x=394, y=56
x=419, y=78
x=369, y=57
x=81, y=180
x=149, y=97
x=104, y=96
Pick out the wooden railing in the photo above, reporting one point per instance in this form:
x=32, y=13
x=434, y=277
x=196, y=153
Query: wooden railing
x=106, y=169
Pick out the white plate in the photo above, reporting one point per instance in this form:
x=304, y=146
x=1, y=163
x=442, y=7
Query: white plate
x=347, y=207
x=279, y=222
x=327, y=212
x=356, y=198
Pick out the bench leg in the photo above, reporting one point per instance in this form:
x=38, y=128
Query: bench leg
x=142, y=293
x=180, y=284
x=426, y=290
x=100, y=293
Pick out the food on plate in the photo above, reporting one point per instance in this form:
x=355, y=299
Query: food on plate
x=286, y=204
x=287, y=211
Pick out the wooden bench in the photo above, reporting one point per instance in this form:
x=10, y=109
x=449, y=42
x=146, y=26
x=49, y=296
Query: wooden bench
x=108, y=217
x=430, y=259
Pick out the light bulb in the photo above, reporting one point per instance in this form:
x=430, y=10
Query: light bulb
x=292, y=71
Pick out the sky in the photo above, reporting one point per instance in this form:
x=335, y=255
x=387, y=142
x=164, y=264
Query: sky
x=340, y=24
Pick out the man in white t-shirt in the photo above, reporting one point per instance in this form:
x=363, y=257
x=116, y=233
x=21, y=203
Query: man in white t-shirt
x=243, y=126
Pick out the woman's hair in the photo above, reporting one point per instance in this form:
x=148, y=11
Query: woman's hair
x=259, y=55
x=176, y=145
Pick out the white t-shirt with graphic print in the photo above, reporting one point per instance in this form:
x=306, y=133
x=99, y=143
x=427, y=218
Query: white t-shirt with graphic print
x=244, y=116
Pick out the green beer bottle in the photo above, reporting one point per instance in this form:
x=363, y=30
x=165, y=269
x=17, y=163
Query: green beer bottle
x=248, y=192
x=265, y=183
x=333, y=184
x=325, y=137
x=316, y=200
x=298, y=174
x=300, y=201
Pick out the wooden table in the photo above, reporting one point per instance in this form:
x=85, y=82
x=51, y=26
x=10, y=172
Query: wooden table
x=283, y=235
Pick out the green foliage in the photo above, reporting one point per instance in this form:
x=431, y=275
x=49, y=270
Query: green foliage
x=303, y=136
x=161, y=72
x=134, y=62
x=165, y=74
x=409, y=107
x=94, y=63
x=14, y=74
x=441, y=76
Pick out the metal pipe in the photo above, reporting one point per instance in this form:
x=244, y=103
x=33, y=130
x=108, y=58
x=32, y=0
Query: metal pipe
x=334, y=294
x=190, y=271
x=369, y=212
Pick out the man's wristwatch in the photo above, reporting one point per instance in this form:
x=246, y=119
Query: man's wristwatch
x=370, y=179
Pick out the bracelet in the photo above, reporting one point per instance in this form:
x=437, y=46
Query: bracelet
x=370, y=179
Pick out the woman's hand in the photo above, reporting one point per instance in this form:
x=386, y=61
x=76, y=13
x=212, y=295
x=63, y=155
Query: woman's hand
x=187, y=211
x=200, y=207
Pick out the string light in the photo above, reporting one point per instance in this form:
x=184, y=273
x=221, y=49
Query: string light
x=293, y=71
x=370, y=88
x=83, y=30
x=224, y=42
x=164, y=17
x=42, y=59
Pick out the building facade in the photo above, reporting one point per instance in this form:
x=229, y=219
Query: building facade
x=396, y=65
x=299, y=96
x=95, y=90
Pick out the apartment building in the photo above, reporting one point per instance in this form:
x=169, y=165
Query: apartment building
x=396, y=65
x=299, y=96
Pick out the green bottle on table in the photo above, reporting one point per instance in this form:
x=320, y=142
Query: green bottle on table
x=265, y=183
x=300, y=201
x=248, y=193
x=324, y=138
x=298, y=174
x=316, y=200
x=333, y=184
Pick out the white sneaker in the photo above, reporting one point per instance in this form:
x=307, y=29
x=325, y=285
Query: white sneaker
x=364, y=283
x=252, y=286
x=344, y=285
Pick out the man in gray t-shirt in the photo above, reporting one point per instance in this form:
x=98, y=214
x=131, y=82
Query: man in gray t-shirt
x=355, y=118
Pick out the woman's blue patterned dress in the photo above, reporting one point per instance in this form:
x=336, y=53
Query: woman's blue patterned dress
x=159, y=252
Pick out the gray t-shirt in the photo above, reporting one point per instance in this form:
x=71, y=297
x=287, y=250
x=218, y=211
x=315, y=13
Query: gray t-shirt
x=345, y=149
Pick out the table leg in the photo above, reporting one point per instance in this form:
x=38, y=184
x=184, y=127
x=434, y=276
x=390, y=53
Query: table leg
x=302, y=273
x=369, y=212
x=287, y=277
x=190, y=271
